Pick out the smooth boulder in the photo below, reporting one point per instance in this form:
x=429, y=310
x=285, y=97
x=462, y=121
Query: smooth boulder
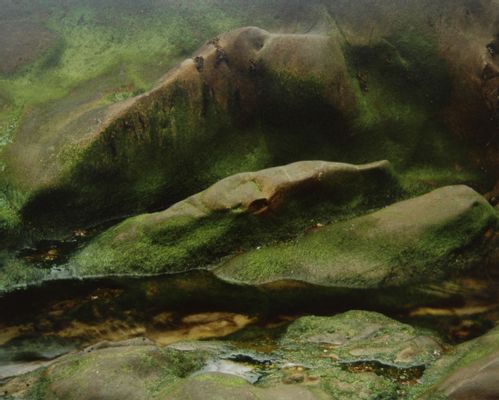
x=417, y=241
x=230, y=216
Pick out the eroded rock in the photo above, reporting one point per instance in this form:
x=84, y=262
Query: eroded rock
x=416, y=241
x=245, y=208
x=469, y=372
x=300, y=367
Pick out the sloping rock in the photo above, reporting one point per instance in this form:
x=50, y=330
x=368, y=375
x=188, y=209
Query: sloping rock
x=469, y=372
x=247, y=208
x=248, y=100
x=132, y=372
x=409, y=243
x=164, y=145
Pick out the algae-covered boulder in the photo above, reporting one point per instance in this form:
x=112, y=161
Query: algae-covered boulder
x=357, y=355
x=238, y=212
x=130, y=371
x=415, y=241
x=359, y=336
x=197, y=125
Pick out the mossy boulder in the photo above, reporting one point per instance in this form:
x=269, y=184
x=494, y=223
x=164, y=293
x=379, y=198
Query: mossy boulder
x=157, y=148
x=358, y=355
x=417, y=241
x=269, y=98
x=359, y=336
x=239, y=212
x=131, y=371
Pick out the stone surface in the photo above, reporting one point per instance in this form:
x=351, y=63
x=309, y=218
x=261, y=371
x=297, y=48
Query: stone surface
x=412, y=242
x=163, y=145
x=301, y=366
x=312, y=95
x=468, y=372
x=358, y=336
x=252, y=207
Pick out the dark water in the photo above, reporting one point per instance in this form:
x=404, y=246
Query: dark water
x=41, y=323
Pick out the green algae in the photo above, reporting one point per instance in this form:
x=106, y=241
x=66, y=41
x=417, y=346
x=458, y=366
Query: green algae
x=394, y=121
x=151, y=244
x=403, y=87
x=367, y=253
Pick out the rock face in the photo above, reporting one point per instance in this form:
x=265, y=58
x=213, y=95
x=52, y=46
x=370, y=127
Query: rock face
x=408, y=243
x=343, y=357
x=424, y=98
x=355, y=355
x=241, y=209
x=468, y=372
x=297, y=223
x=351, y=96
x=180, y=130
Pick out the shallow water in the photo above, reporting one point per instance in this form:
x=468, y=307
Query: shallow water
x=40, y=324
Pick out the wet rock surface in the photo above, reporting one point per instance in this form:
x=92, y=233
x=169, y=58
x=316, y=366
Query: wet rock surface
x=315, y=88
x=419, y=240
x=313, y=358
x=210, y=369
x=96, y=283
x=469, y=371
x=271, y=204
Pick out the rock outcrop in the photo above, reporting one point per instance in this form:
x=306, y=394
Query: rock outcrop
x=343, y=357
x=417, y=241
x=244, y=209
x=350, y=96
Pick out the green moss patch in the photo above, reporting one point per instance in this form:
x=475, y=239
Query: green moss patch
x=404, y=244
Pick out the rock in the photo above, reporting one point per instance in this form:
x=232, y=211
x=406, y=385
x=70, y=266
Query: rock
x=269, y=98
x=151, y=144
x=410, y=243
x=240, y=210
x=22, y=42
x=359, y=336
x=131, y=372
x=215, y=386
x=298, y=368
x=468, y=372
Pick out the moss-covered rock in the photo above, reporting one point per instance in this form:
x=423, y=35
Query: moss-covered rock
x=214, y=386
x=356, y=355
x=125, y=371
x=469, y=371
x=269, y=98
x=359, y=336
x=237, y=213
x=95, y=166
x=417, y=241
